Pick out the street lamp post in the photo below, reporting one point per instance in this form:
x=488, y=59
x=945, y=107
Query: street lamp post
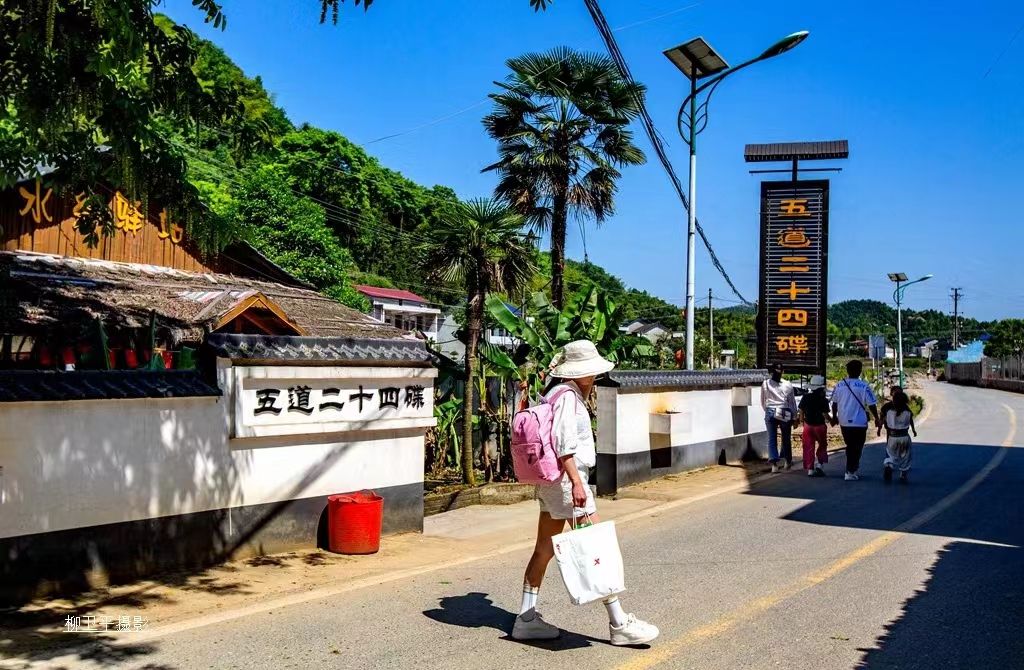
x=698, y=60
x=901, y=285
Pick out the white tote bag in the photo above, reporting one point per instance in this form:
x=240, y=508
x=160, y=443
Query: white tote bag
x=590, y=562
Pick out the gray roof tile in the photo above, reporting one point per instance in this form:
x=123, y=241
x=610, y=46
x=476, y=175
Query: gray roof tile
x=40, y=385
x=280, y=348
x=685, y=380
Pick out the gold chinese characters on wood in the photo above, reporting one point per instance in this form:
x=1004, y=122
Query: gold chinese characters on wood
x=34, y=217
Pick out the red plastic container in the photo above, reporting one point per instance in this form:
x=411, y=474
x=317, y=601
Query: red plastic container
x=354, y=522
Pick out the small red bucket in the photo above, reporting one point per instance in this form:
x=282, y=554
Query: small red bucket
x=354, y=522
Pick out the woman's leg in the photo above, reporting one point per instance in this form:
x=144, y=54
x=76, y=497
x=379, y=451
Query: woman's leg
x=786, y=454
x=543, y=550
x=807, y=437
x=822, y=439
x=773, y=440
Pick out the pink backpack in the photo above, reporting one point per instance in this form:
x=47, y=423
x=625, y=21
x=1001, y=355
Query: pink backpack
x=533, y=450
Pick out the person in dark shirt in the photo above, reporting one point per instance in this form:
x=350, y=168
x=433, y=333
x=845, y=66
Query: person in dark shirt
x=815, y=416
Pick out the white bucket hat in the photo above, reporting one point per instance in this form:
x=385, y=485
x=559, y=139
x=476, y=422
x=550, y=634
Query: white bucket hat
x=817, y=382
x=579, y=359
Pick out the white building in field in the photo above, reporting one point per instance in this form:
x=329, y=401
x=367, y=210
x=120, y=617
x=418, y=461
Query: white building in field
x=403, y=310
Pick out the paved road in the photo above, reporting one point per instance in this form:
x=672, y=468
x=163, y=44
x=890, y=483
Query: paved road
x=794, y=573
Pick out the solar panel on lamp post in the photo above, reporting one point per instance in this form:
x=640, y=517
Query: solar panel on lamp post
x=697, y=60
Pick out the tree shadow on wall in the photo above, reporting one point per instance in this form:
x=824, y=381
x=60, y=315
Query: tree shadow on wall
x=148, y=462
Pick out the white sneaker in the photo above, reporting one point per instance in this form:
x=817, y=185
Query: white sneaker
x=534, y=629
x=634, y=631
x=775, y=468
x=852, y=476
x=810, y=473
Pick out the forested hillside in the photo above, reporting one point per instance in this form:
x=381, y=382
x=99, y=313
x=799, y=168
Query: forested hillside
x=331, y=214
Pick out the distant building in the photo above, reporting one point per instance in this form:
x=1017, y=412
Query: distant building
x=727, y=358
x=653, y=332
x=926, y=348
x=649, y=329
x=449, y=332
x=402, y=309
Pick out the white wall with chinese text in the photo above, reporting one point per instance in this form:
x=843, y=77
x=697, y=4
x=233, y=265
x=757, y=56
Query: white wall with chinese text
x=75, y=464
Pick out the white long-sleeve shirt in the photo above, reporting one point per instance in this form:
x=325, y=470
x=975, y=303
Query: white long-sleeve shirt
x=571, y=431
x=777, y=395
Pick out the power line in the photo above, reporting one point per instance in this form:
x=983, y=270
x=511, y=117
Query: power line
x=654, y=136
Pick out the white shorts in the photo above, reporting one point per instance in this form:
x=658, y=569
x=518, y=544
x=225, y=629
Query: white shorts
x=556, y=497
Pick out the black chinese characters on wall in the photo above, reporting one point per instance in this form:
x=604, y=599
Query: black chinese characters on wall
x=332, y=401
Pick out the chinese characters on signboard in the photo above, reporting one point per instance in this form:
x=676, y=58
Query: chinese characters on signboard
x=794, y=266
x=305, y=401
x=38, y=204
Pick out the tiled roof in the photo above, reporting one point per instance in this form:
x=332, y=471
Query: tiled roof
x=259, y=348
x=39, y=385
x=390, y=293
x=685, y=380
x=57, y=291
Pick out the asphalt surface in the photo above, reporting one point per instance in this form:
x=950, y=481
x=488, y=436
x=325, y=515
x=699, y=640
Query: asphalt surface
x=793, y=573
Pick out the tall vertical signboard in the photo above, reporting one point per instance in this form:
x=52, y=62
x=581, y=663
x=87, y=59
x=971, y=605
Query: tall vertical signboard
x=792, y=327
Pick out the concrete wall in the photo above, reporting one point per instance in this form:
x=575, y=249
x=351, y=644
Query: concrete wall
x=111, y=490
x=648, y=431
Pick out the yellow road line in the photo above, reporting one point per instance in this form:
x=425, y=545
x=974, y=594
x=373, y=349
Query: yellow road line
x=754, y=608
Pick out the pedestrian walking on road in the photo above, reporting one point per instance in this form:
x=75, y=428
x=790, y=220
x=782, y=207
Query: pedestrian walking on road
x=852, y=401
x=778, y=400
x=576, y=369
x=899, y=423
x=815, y=417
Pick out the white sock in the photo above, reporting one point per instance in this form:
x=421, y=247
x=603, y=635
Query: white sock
x=616, y=615
x=530, y=594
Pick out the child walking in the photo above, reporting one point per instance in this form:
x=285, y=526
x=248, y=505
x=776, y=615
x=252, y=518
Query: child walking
x=815, y=417
x=899, y=423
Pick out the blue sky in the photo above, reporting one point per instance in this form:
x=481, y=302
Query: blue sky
x=930, y=96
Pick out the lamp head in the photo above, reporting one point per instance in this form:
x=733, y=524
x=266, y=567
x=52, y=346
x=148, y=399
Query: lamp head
x=785, y=44
x=927, y=276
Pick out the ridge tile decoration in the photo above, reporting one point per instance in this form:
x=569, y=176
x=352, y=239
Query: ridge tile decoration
x=793, y=275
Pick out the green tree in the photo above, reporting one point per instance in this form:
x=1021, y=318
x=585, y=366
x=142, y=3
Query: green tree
x=481, y=247
x=292, y=232
x=561, y=122
x=1007, y=339
x=91, y=88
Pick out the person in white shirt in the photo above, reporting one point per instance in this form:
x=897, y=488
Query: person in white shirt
x=576, y=367
x=852, y=399
x=778, y=400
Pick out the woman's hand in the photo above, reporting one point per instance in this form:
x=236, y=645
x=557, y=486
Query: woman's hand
x=579, y=494
x=915, y=432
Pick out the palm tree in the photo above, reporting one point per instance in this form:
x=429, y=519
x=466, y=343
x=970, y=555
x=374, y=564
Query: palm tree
x=561, y=121
x=482, y=247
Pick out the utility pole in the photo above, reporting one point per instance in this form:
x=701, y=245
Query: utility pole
x=957, y=294
x=711, y=336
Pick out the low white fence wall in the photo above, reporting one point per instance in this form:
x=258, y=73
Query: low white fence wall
x=112, y=490
x=655, y=423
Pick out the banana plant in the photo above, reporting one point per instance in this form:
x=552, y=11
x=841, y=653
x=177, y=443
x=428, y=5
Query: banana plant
x=589, y=314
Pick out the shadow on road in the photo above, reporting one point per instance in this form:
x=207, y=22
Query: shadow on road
x=477, y=610
x=938, y=470
x=966, y=616
x=968, y=612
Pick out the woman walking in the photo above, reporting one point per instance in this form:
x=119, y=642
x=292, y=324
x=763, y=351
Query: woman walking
x=899, y=423
x=574, y=370
x=815, y=417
